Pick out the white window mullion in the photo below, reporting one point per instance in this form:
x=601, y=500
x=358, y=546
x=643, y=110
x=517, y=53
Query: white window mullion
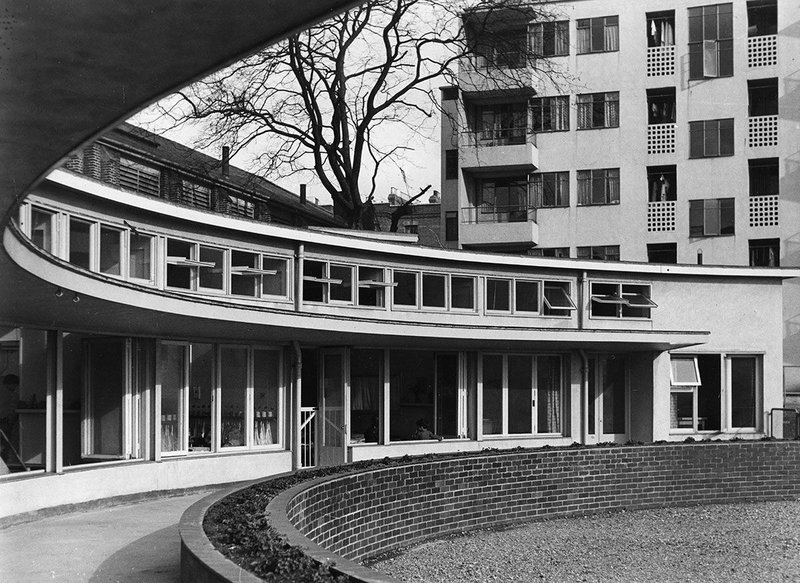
x=505, y=394
x=534, y=394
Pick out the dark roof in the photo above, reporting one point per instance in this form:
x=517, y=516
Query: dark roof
x=165, y=152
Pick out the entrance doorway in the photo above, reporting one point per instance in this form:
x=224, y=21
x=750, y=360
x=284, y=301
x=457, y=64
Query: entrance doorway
x=607, y=400
x=331, y=424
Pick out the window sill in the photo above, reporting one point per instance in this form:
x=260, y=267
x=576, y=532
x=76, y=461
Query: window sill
x=615, y=203
x=599, y=128
x=598, y=52
x=731, y=155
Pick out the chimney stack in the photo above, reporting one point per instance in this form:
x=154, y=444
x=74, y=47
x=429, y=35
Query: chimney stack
x=226, y=160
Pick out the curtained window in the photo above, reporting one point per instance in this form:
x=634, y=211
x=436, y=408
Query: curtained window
x=597, y=35
x=598, y=110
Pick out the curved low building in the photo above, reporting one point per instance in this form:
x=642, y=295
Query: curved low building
x=163, y=346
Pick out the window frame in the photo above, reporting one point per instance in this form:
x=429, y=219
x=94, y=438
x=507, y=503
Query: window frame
x=724, y=229
x=588, y=179
x=541, y=111
x=593, y=25
x=560, y=187
x=538, y=35
x=710, y=57
x=588, y=105
x=725, y=138
x=621, y=299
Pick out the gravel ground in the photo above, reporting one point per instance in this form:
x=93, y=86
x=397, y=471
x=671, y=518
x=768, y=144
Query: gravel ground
x=717, y=543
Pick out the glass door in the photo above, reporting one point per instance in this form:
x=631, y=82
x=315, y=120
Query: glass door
x=607, y=400
x=332, y=423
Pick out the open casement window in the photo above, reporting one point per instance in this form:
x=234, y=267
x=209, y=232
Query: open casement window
x=619, y=300
x=711, y=41
x=42, y=229
x=185, y=260
x=684, y=371
x=255, y=275
x=327, y=282
x=556, y=299
x=140, y=256
x=372, y=286
x=684, y=376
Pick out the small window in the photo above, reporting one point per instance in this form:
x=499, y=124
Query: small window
x=241, y=207
x=762, y=17
x=526, y=296
x=599, y=252
x=325, y=283
x=550, y=39
x=181, y=264
x=140, y=256
x=341, y=283
x=451, y=226
x=498, y=295
x=556, y=299
x=462, y=292
x=405, y=290
x=501, y=124
x=211, y=268
x=598, y=34
x=110, y=250
x=451, y=164
x=765, y=252
x=599, y=186
x=711, y=217
x=245, y=273
x=684, y=372
x=80, y=243
x=762, y=97
x=561, y=252
x=275, y=277
x=42, y=229
x=550, y=189
x=662, y=252
x=433, y=290
x=550, y=114
x=711, y=138
x=598, y=110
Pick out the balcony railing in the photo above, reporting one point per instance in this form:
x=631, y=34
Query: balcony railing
x=489, y=213
x=660, y=61
x=764, y=210
x=661, y=216
x=499, y=137
x=762, y=130
x=661, y=138
x=762, y=51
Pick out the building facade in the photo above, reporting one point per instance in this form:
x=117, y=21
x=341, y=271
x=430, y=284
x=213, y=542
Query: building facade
x=667, y=135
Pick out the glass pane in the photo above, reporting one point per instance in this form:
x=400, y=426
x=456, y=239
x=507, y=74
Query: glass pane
x=412, y=378
x=520, y=394
x=314, y=291
x=140, y=257
x=333, y=401
x=492, y=394
x=497, y=294
x=462, y=292
x=405, y=292
x=211, y=277
x=233, y=375
x=110, y=250
x=447, y=396
x=743, y=392
x=548, y=392
x=171, y=374
x=242, y=283
x=79, y=243
x=614, y=396
x=527, y=298
x=681, y=410
x=274, y=285
x=107, y=363
x=179, y=275
x=433, y=287
x=341, y=292
x=709, y=395
x=684, y=371
x=369, y=294
x=366, y=385
x=201, y=387
x=42, y=229
x=266, y=390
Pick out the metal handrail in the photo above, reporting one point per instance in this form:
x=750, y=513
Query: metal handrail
x=489, y=213
x=796, y=420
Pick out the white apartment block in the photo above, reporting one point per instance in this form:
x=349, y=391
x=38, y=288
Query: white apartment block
x=671, y=135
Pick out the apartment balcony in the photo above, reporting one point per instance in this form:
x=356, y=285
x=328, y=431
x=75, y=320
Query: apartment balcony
x=487, y=225
x=661, y=216
x=508, y=148
x=661, y=138
x=660, y=61
x=764, y=210
x=762, y=130
x=762, y=51
x=488, y=80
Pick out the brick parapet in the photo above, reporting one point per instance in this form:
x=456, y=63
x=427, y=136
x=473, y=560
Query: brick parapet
x=360, y=515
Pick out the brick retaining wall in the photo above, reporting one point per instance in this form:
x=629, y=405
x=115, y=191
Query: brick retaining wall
x=360, y=515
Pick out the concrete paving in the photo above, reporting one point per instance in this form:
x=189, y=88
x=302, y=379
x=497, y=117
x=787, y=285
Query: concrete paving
x=136, y=542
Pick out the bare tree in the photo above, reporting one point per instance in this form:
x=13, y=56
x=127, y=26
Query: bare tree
x=337, y=98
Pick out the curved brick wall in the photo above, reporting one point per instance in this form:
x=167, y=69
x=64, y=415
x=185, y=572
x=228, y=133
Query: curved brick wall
x=360, y=515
